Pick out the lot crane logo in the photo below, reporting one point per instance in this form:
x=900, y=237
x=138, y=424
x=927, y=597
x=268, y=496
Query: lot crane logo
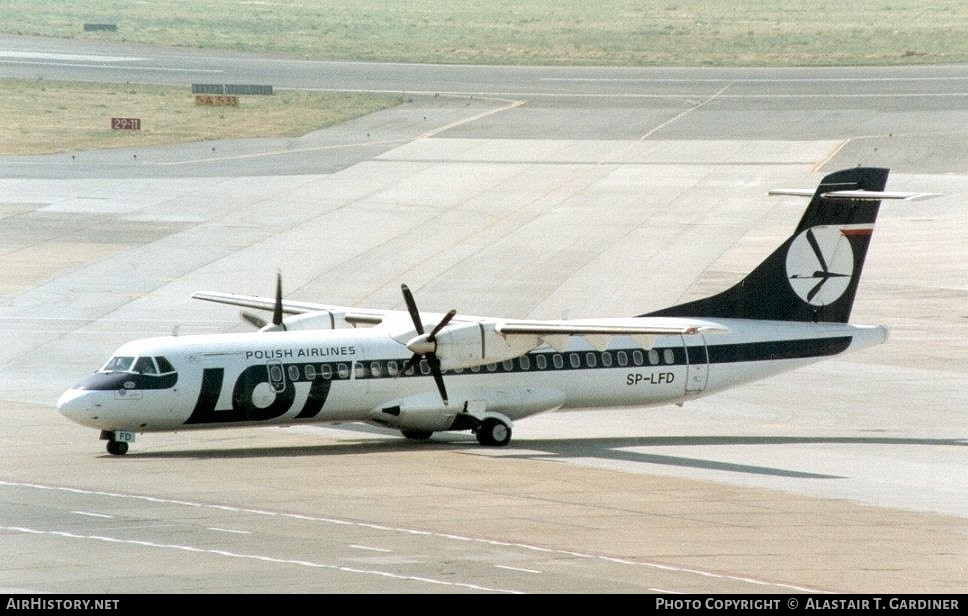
x=820, y=263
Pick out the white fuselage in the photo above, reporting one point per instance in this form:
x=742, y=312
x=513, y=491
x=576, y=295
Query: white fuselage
x=355, y=375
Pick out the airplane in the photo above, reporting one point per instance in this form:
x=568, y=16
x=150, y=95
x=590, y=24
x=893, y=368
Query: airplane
x=422, y=373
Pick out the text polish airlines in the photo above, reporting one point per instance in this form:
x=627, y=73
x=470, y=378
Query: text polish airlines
x=422, y=373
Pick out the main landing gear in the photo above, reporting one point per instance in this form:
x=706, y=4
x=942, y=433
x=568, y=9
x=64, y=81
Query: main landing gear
x=491, y=432
x=417, y=435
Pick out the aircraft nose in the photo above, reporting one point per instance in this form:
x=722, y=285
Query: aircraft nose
x=74, y=404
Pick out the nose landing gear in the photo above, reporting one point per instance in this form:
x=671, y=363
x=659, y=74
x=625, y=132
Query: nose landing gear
x=117, y=441
x=116, y=448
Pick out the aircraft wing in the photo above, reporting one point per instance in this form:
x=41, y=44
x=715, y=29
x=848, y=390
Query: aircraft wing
x=519, y=336
x=351, y=315
x=597, y=332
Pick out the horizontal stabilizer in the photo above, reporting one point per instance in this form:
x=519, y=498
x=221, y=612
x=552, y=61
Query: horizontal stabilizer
x=862, y=195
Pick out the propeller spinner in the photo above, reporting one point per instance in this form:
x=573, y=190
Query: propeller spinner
x=424, y=346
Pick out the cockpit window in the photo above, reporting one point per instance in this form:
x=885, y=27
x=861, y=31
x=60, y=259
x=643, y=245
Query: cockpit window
x=139, y=365
x=145, y=365
x=129, y=373
x=164, y=366
x=118, y=364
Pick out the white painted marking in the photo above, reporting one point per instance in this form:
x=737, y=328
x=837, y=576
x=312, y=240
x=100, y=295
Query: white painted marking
x=229, y=530
x=408, y=531
x=369, y=548
x=66, y=57
x=521, y=569
x=93, y=515
x=750, y=80
x=156, y=69
x=256, y=557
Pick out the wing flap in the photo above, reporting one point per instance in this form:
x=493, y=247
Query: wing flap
x=598, y=332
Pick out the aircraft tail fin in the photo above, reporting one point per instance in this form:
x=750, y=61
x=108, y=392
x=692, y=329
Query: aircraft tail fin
x=813, y=275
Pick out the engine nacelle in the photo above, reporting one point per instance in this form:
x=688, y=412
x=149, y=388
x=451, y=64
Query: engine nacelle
x=324, y=319
x=421, y=412
x=473, y=344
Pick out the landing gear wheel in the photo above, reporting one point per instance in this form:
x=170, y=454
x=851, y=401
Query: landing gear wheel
x=494, y=433
x=117, y=448
x=417, y=435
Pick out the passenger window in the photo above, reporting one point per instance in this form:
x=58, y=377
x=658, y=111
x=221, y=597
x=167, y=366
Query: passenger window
x=541, y=361
x=637, y=357
x=574, y=360
x=607, y=359
x=392, y=368
x=669, y=356
x=360, y=370
x=653, y=357
x=310, y=372
x=508, y=365
x=623, y=358
x=375, y=369
x=326, y=371
x=342, y=371
x=591, y=360
x=293, y=373
x=525, y=362
x=558, y=361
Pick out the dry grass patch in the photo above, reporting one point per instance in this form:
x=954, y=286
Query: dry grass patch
x=46, y=117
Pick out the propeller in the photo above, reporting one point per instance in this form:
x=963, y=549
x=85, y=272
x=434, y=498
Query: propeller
x=424, y=346
x=277, y=324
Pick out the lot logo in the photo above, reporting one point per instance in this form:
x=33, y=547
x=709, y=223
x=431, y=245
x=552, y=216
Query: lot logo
x=819, y=264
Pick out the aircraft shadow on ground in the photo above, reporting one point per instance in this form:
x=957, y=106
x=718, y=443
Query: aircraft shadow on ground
x=613, y=449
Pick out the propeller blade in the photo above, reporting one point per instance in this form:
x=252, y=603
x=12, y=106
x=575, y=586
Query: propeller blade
x=438, y=376
x=412, y=308
x=255, y=320
x=277, y=309
x=443, y=323
x=414, y=359
x=427, y=351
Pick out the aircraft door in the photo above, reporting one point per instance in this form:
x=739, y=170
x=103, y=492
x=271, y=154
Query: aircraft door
x=277, y=377
x=697, y=363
